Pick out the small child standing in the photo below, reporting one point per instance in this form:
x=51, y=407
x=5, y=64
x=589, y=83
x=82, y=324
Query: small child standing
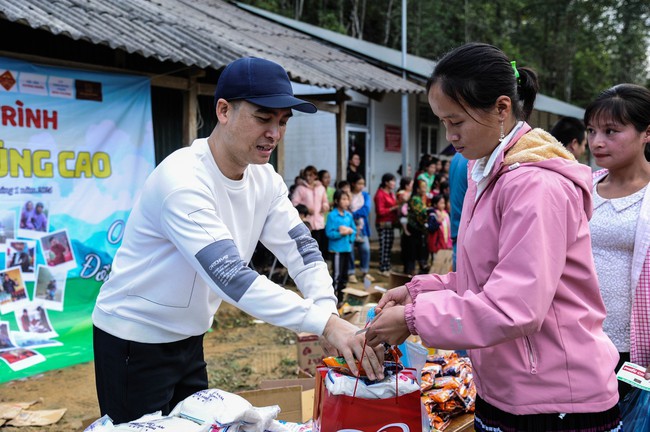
x=439, y=226
x=340, y=229
x=303, y=212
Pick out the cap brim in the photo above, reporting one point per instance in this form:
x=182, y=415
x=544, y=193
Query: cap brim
x=283, y=101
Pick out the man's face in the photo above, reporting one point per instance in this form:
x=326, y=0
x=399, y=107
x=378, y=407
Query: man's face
x=253, y=132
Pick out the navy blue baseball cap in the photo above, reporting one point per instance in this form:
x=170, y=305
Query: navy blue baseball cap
x=261, y=82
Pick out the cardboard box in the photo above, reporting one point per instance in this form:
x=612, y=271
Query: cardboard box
x=357, y=315
x=294, y=396
x=397, y=279
x=357, y=297
x=310, y=353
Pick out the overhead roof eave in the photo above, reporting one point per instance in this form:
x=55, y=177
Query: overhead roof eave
x=204, y=34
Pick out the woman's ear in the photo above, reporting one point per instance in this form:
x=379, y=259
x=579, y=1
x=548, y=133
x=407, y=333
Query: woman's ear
x=504, y=107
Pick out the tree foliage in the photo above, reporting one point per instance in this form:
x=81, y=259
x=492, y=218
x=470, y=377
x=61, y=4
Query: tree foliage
x=578, y=47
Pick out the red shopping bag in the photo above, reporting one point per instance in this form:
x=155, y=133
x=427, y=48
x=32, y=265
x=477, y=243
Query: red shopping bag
x=339, y=412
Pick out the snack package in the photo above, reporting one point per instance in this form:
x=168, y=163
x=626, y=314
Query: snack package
x=439, y=395
x=432, y=368
x=447, y=382
x=340, y=365
x=447, y=388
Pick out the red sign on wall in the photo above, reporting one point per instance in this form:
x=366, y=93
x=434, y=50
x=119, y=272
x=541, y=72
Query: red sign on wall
x=393, y=139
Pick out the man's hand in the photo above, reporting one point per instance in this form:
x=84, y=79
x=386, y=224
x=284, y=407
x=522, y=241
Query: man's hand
x=342, y=335
x=328, y=349
x=394, y=297
x=389, y=327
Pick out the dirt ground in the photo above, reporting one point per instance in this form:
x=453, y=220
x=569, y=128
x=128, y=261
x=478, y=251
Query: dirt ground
x=239, y=350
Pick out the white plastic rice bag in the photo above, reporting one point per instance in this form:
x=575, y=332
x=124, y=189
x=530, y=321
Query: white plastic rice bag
x=100, y=425
x=259, y=419
x=212, y=406
x=284, y=426
x=154, y=422
x=162, y=424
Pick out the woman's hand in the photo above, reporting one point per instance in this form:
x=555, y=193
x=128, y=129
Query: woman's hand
x=388, y=327
x=399, y=296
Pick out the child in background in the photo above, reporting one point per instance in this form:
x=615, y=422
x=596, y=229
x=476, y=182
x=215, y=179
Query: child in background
x=435, y=188
x=439, y=238
x=415, y=246
x=325, y=178
x=403, y=196
x=303, y=211
x=344, y=185
x=340, y=230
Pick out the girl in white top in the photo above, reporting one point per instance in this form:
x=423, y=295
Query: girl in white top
x=618, y=130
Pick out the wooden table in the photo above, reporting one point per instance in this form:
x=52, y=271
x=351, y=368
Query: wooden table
x=461, y=423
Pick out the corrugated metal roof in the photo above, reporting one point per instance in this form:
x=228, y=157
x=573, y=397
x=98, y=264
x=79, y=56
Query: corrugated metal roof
x=203, y=33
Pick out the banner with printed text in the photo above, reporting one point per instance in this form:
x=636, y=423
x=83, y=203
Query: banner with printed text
x=75, y=148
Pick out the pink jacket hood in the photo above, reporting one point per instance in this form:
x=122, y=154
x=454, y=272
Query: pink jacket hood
x=538, y=147
x=524, y=298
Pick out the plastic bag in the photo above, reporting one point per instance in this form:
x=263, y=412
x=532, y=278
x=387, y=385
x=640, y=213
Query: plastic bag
x=339, y=384
x=212, y=406
x=635, y=410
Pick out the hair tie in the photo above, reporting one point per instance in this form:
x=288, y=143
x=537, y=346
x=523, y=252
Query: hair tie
x=514, y=68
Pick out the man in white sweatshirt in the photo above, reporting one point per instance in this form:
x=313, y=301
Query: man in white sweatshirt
x=186, y=247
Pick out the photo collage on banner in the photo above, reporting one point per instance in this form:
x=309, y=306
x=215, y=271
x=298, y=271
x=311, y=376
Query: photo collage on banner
x=75, y=148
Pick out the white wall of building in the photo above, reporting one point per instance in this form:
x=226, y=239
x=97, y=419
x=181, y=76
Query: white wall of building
x=310, y=140
x=388, y=112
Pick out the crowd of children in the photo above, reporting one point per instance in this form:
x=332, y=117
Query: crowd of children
x=338, y=218
x=423, y=212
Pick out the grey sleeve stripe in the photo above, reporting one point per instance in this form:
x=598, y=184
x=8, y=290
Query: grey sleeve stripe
x=307, y=246
x=225, y=267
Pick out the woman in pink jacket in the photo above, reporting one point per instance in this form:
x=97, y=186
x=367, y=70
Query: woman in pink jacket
x=524, y=298
x=313, y=195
